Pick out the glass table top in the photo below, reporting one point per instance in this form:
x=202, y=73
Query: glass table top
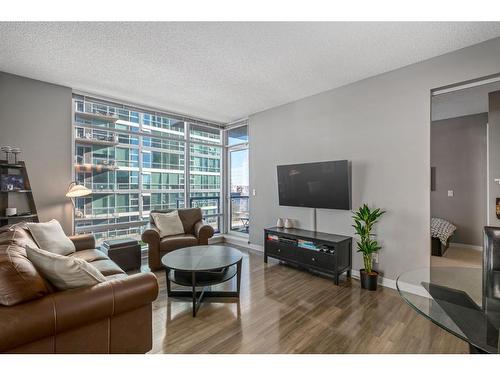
x=201, y=258
x=452, y=298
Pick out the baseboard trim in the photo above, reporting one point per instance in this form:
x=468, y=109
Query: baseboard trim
x=237, y=240
x=466, y=246
x=390, y=283
x=383, y=281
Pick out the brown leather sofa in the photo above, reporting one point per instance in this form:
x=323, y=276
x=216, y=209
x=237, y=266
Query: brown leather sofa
x=110, y=317
x=195, y=233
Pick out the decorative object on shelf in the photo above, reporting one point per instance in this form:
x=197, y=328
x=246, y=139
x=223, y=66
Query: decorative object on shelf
x=288, y=223
x=16, y=151
x=364, y=220
x=6, y=150
x=497, y=208
x=75, y=190
x=9, y=182
x=279, y=223
x=10, y=211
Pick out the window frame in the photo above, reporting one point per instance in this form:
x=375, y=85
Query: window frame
x=140, y=134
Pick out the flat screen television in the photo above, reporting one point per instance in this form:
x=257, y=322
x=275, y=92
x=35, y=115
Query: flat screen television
x=318, y=185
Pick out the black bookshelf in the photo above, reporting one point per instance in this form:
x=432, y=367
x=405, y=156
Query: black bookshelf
x=326, y=254
x=17, y=169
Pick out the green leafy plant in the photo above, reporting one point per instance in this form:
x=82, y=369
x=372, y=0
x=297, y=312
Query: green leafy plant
x=364, y=220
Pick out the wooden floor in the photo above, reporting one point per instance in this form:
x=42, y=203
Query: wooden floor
x=284, y=310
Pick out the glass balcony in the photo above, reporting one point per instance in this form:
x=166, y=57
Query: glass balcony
x=210, y=209
x=89, y=212
x=88, y=163
x=96, y=110
x=96, y=137
x=240, y=217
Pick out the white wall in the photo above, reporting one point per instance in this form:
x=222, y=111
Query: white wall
x=381, y=124
x=36, y=116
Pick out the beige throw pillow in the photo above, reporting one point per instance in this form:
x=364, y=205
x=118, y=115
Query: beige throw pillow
x=62, y=271
x=169, y=223
x=50, y=235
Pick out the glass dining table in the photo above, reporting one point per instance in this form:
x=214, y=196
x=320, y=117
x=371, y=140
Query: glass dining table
x=452, y=298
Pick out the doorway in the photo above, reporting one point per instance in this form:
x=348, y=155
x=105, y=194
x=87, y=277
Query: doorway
x=238, y=181
x=460, y=196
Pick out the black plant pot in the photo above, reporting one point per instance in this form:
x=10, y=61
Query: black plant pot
x=368, y=280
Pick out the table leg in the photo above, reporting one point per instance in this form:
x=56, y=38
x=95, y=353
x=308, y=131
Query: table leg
x=193, y=280
x=168, y=282
x=238, y=277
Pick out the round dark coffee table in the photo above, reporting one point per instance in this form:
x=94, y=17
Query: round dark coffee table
x=202, y=267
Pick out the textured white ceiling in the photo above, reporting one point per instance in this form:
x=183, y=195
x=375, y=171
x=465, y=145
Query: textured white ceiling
x=222, y=71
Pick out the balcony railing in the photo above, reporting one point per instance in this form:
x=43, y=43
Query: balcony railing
x=96, y=164
x=206, y=204
x=96, y=110
x=100, y=137
x=239, y=209
x=97, y=187
x=104, y=212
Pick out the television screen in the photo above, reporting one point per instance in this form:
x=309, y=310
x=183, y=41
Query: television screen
x=318, y=185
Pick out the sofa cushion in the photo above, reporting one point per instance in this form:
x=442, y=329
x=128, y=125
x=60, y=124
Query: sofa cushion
x=176, y=242
x=51, y=237
x=169, y=224
x=189, y=217
x=19, y=279
x=89, y=255
x=22, y=236
x=64, y=272
x=107, y=267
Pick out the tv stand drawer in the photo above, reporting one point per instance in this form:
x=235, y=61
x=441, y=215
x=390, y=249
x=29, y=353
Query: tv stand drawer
x=281, y=249
x=316, y=259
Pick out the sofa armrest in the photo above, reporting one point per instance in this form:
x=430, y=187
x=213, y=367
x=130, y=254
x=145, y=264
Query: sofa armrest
x=69, y=309
x=77, y=307
x=151, y=235
x=203, y=231
x=83, y=241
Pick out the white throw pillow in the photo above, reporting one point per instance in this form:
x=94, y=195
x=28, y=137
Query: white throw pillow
x=169, y=223
x=50, y=235
x=62, y=271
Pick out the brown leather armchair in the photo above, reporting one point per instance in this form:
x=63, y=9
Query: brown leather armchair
x=195, y=233
x=110, y=317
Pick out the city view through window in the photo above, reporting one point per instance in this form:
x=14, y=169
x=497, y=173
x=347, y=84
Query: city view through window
x=237, y=140
x=136, y=161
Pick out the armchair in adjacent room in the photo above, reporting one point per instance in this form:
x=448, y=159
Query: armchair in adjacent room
x=195, y=233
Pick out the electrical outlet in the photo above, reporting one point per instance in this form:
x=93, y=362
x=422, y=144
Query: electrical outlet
x=375, y=258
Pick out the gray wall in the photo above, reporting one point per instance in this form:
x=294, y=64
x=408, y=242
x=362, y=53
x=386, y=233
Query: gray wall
x=494, y=155
x=36, y=116
x=458, y=152
x=382, y=124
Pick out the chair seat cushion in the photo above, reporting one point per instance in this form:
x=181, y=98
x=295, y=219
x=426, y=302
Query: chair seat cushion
x=176, y=242
x=90, y=255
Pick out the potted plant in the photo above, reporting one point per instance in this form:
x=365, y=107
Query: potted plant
x=364, y=220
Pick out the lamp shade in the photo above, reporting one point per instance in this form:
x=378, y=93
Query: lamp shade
x=76, y=190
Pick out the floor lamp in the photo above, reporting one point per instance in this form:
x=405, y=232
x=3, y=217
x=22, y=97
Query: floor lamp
x=74, y=191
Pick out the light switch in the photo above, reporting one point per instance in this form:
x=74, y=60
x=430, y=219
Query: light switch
x=254, y=193
x=450, y=193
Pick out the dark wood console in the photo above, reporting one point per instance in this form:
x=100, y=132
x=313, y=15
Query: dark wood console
x=323, y=253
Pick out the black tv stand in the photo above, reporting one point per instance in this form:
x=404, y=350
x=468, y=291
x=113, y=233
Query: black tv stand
x=323, y=253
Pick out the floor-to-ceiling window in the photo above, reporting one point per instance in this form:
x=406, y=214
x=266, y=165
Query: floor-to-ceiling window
x=237, y=150
x=135, y=161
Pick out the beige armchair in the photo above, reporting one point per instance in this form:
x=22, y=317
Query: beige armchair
x=195, y=233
